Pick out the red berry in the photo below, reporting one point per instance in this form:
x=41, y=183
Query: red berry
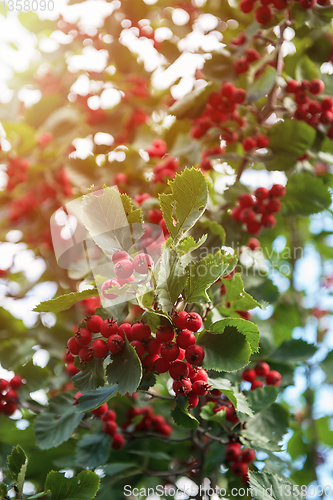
x=109, y=284
x=94, y=323
x=193, y=400
x=200, y=387
x=120, y=255
x=262, y=141
x=155, y=216
x=274, y=206
x=149, y=361
x=198, y=374
x=241, y=65
x=268, y=221
x=301, y=97
x=140, y=331
x=182, y=387
x=248, y=143
x=239, y=468
x=232, y=452
x=8, y=409
x=245, y=200
x=125, y=329
x=307, y=4
x=228, y=90
x=214, y=98
x=237, y=213
x=165, y=333
x=273, y=378
x=118, y=442
x=277, y=191
x=330, y=132
x=15, y=382
x=262, y=369
x=181, y=355
x=252, y=55
x=326, y=117
x=240, y=96
x=246, y=6
x=327, y=103
x=3, y=384
x=193, y=322
x=109, y=428
x=109, y=416
x=86, y=354
x=142, y=263
x=316, y=86
x=123, y=269
x=179, y=370
x=261, y=193
x=247, y=215
x=263, y=15
x=248, y=455
x=253, y=244
x=83, y=337
x=73, y=346
x=115, y=343
x=108, y=328
x=301, y=113
x=257, y=384
x=195, y=354
x=169, y=351
x=100, y=349
x=161, y=366
x=292, y=87
x=120, y=178
x=11, y=396
x=185, y=339
x=314, y=108
x=179, y=319
x=101, y=410
x=153, y=346
x=249, y=375
x=71, y=370
x=253, y=227
x=139, y=347
x=231, y=415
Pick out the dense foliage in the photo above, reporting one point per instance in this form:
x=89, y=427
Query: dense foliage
x=206, y=180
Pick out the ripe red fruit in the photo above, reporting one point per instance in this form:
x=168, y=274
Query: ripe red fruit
x=277, y=191
x=139, y=347
x=140, y=331
x=125, y=329
x=273, y=378
x=263, y=14
x=330, y=132
x=118, y=442
x=249, y=375
x=253, y=244
x=169, y=351
x=149, y=361
x=307, y=4
x=142, y=263
x=248, y=455
x=161, y=366
x=232, y=452
x=11, y=396
x=247, y=215
x=101, y=410
x=179, y=319
x=179, y=370
x=100, y=349
x=274, y=206
x=301, y=97
x=314, y=107
x=200, y=387
x=239, y=468
x=185, y=339
x=240, y=96
x=195, y=354
x=109, y=428
x=261, y=193
x=198, y=374
x=120, y=178
x=246, y=6
x=252, y=55
x=262, y=369
x=3, y=384
x=193, y=321
x=228, y=90
x=249, y=143
x=153, y=346
x=193, y=399
x=245, y=200
x=268, y=221
x=71, y=369
x=253, y=227
x=120, y=255
x=165, y=333
x=123, y=269
x=182, y=387
x=94, y=323
x=231, y=415
x=292, y=87
x=316, y=86
x=109, y=284
x=262, y=141
x=15, y=382
x=155, y=215
x=115, y=344
x=8, y=409
x=241, y=65
x=109, y=416
x=327, y=103
x=108, y=327
x=257, y=384
x=86, y=354
x=237, y=214
x=83, y=337
x=73, y=346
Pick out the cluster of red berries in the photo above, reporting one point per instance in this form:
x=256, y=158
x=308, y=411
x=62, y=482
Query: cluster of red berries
x=165, y=170
x=242, y=64
x=206, y=164
x=17, y=172
x=264, y=13
x=149, y=421
x=240, y=458
x=313, y=112
x=221, y=108
x=257, y=211
x=8, y=395
x=124, y=268
x=157, y=149
x=261, y=369
x=221, y=403
x=250, y=143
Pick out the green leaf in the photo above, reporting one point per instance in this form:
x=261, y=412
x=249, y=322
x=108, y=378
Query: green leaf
x=91, y=375
x=294, y=350
x=171, y=279
x=267, y=428
x=84, y=486
x=156, y=455
x=262, y=85
x=207, y=413
x=204, y=273
x=306, y=195
x=21, y=136
x=306, y=69
x=181, y=415
x=193, y=104
x=92, y=450
x=324, y=430
x=3, y=490
x=65, y=301
x=125, y=370
x=188, y=244
x=272, y=487
x=93, y=399
x=232, y=393
x=57, y=422
x=118, y=467
x=219, y=67
x=246, y=328
x=262, y=398
x=291, y=137
x=186, y=202
x=214, y=228
x=327, y=366
x=237, y=297
x=17, y=464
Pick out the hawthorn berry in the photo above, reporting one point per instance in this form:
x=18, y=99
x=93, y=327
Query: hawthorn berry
x=149, y=361
x=273, y=378
x=83, y=336
x=94, y=323
x=100, y=349
x=105, y=287
x=182, y=387
x=246, y=6
x=142, y=263
x=254, y=227
x=160, y=365
x=108, y=416
x=179, y=370
x=249, y=375
x=71, y=369
x=233, y=452
x=140, y=331
x=261, y=193
x=125, y=329
x=292, y=86
x=263, y=14
x=262, y=141
x=248, y=455
x=101, y=410
x=193, y=321
x=153, y=346
x=245, y=200
x=11, y=396
x=316, y=86
x=123, y=269
x=193, y=399
x=139, y=347
x=179, y=319
x=165, y=333
x=257, y=384
x=115, y=344
x=253, y=244
x=241, y=65
x=185, y=339
x=307, y=4
x=239, y=468
x=120, y=255
x=231, y=415
x=249, y=143
x=262, y=369
x=3, y=384
x=73, y=346
x=268, y=221
x=200, y=387
x=277, y=191
x=109, y=428
x=155, y=215
x=274, y=206
x=86, y=354
x=195, y=354
x=198, y=374
x=108, y=327
x=169, y=351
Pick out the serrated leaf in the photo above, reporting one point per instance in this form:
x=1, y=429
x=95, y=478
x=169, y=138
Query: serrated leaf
x=246, y=328
x=188, y=244
x=306, y=195
x=204, y=273
x=17, y=463
x=186, y=203
x=207, y=413
x=181, y=415
x=262, y=85
x=262, y=398
x=125, y=369
x=84, y=486
x=291, y=137
x=57, y=422
x=91, y=375
x=232, y=393
x=267, y=428
x=238, y=299
x=272, y=487
x=294, y=350
x=171, y=279
x=193, y=104
x=65, y=301
x=92, y=450
x=147, y=381
x=93, y=399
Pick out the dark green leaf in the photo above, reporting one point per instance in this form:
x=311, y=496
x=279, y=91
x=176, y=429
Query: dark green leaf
x=272, y=487
x=181, y=415
x=291, y=137
x=294, y=350
x=92, y=450
x=267, y=428
x=232, y=393
x=81, y=487
x=125, y=369
x=262, y=398
x=91, y=375
x=17, y=464
x=262, y=85
x=93, y=399
x=306, y=195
